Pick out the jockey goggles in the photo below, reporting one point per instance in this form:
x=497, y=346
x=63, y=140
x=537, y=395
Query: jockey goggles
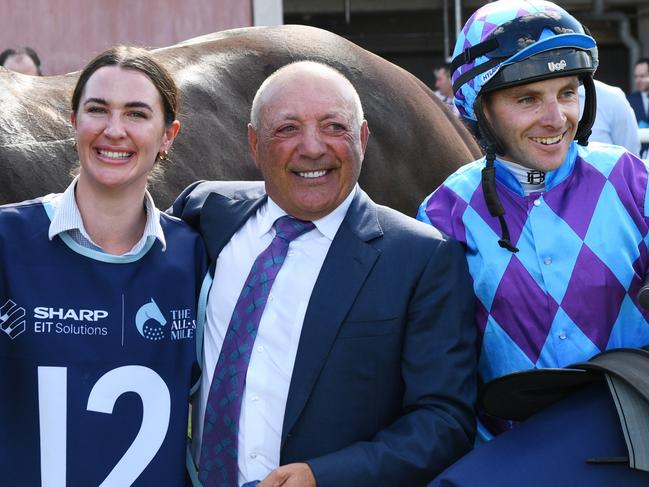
x=514, y=40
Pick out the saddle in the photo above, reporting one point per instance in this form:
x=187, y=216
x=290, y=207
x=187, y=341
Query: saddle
x=519, y=395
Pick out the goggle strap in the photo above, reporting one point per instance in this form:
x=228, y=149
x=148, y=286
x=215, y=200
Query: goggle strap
x=472, y=73
x=473, y=52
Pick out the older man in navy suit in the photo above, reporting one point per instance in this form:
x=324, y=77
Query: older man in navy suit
x=362, y=368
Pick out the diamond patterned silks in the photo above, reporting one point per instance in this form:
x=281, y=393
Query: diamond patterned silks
x=571, y=290
x=218, y=457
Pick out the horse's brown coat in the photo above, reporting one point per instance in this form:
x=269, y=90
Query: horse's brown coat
x=415, y=143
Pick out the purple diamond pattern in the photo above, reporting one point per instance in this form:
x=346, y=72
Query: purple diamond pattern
x=445, y=203
x=577, y=208
x=597, y=317
x=512, y=205
x=528, y=320
x=629, y=182
x=642, y=262
x=487, y=29
x=218, y=457
x=608, y=261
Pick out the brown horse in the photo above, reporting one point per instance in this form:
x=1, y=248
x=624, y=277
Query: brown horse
x=415, y=143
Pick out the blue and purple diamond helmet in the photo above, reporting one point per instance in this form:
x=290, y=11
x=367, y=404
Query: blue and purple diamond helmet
x=512, y=42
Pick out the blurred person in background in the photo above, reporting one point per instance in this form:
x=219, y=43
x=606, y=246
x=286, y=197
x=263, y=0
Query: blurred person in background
x=444, y=88
x=639, y=99
x=21, y=60
x=615, y=121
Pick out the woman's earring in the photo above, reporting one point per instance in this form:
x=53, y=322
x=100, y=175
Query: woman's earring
x=163, y=155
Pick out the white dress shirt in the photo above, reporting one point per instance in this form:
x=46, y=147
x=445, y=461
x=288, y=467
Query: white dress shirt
x=615, y=121
x=271, y=364
x=66, y=218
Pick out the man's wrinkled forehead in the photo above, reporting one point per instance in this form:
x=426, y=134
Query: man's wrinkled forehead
x=291, y=95
x=293, y=78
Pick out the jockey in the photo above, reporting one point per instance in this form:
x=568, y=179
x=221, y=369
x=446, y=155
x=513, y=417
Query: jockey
x=555, y=230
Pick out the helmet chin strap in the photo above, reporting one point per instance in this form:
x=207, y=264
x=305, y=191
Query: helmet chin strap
x=493, y=147
x=585, y=126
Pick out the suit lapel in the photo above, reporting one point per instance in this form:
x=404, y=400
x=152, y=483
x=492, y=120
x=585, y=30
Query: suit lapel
x=221, y=217
x=345, y=269
x=643, y=109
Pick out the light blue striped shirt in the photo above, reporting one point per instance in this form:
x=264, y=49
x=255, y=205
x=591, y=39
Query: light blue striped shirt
x=67, y=218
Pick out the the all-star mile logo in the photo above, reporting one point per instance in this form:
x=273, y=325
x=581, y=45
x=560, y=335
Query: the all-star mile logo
x=150, y=322
x=12, y=319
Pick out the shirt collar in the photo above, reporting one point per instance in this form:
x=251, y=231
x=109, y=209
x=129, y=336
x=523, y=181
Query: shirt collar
x=67, y=217
x=552, y=178
x=327, y=225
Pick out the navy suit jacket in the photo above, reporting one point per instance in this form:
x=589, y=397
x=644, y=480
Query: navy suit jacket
x=383, y=387
x=635, y=100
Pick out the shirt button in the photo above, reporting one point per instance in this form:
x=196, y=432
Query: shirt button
x=562, y=335
x=537, y=202
x=271, y=297
x=253, y=455
x=260, y=348
x=547, y=260
x=255, y=398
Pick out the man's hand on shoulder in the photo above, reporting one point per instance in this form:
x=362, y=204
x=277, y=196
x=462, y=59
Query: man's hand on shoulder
x=291, y=475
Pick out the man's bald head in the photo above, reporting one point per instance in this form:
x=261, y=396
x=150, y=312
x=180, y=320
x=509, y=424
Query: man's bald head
x=296, y=70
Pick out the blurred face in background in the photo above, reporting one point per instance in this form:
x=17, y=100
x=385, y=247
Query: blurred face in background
x=641, y=77
x=443, y=82
x=21, y=63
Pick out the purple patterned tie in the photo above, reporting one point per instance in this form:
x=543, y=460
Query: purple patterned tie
x=218, y=457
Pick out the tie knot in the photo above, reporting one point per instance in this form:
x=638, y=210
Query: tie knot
x=288, y=228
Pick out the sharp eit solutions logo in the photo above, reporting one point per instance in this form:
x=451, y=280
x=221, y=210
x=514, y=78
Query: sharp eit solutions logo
x=151, y=322
x=12, y=319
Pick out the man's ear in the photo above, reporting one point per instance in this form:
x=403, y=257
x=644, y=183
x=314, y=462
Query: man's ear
x=252, y=143
x=365, y=135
